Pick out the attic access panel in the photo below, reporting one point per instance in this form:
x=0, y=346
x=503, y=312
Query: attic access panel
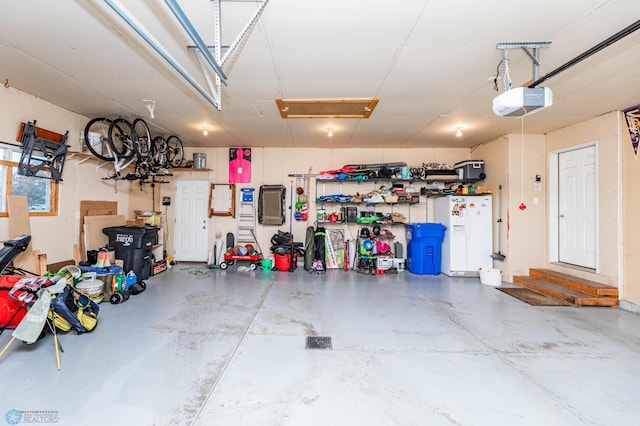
x=326, y=108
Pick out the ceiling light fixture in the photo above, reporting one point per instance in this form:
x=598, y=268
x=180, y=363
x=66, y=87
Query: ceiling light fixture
x=205, y=130
x=330, y=129
x=459, y=131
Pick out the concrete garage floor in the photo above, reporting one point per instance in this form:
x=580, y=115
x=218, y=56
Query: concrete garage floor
x=228, y=348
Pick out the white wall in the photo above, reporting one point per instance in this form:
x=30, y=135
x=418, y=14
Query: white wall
x=525, y=245
x=527, y=228
x=55, y=236
x=495, y=154
x=272, y=166
x=603, y=130
x=631, y=212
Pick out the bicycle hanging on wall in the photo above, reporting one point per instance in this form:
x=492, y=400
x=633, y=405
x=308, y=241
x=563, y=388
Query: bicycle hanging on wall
x=134, y=154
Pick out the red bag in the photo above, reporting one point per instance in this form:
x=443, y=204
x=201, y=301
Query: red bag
x=11, y=311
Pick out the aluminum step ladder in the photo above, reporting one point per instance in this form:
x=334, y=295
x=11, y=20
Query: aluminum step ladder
x=246, y=232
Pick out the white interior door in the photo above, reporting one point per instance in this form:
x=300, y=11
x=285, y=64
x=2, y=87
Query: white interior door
x=191, y=234
x=577, y=193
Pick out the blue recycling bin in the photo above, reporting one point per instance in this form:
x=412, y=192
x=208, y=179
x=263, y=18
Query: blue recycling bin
x=424, y=247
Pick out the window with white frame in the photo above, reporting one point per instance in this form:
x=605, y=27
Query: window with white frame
x=42, y=193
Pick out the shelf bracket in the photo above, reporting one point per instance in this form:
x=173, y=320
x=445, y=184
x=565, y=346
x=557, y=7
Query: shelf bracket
x=80, y=161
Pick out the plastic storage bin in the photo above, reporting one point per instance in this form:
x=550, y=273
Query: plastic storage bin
x=492, y=277
x=399, y=264
x=384, y=262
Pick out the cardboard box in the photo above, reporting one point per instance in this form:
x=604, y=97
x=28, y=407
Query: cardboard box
x=148, y=217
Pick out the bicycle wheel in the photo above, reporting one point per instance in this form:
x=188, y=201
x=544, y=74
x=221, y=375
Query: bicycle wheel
x=159, y=152
x=120, y=132
x=141, y=139
x=175, y=151
x=96, y=138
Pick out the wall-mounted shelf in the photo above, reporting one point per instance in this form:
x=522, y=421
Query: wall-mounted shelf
x=82, y=157
x=385, y=223
x=432, y=183
x=366, y=203
x=436, y=178
x=190, y=169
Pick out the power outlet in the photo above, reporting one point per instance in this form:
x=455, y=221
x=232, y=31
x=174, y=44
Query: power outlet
x=166, y=201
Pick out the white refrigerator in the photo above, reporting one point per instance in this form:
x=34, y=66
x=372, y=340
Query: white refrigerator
x=468, y=240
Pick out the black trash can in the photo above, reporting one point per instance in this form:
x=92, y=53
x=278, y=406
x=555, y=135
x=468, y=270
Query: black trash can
x=133, y=244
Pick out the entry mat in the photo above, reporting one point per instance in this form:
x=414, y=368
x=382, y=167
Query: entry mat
x=531, y=297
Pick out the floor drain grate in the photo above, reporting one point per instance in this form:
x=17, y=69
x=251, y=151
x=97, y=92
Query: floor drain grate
x=318, y=342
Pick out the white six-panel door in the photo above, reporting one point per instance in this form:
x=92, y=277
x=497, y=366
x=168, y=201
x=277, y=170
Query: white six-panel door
x=191, y=233
x=577, y=194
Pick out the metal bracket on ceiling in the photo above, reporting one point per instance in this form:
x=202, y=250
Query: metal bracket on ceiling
x=159, y=48
x=203, y=52
x=534, y=54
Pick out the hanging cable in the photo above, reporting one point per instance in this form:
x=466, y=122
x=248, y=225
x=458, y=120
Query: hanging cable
x=522, y=158
x=595, y=49
x=506, y=77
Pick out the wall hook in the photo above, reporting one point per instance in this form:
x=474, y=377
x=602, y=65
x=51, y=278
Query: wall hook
x=151, y=106
x=6, y=83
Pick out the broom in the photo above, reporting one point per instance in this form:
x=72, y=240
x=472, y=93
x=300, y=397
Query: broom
x=499, y=256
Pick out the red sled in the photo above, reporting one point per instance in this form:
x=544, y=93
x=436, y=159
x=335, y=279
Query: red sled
x=11, y=311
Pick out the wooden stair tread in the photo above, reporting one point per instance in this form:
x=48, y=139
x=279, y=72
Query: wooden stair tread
x=578, y=284
x=552, y=286
x=551, y=289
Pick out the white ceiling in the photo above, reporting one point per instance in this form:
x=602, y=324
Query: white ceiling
x=430, y=62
